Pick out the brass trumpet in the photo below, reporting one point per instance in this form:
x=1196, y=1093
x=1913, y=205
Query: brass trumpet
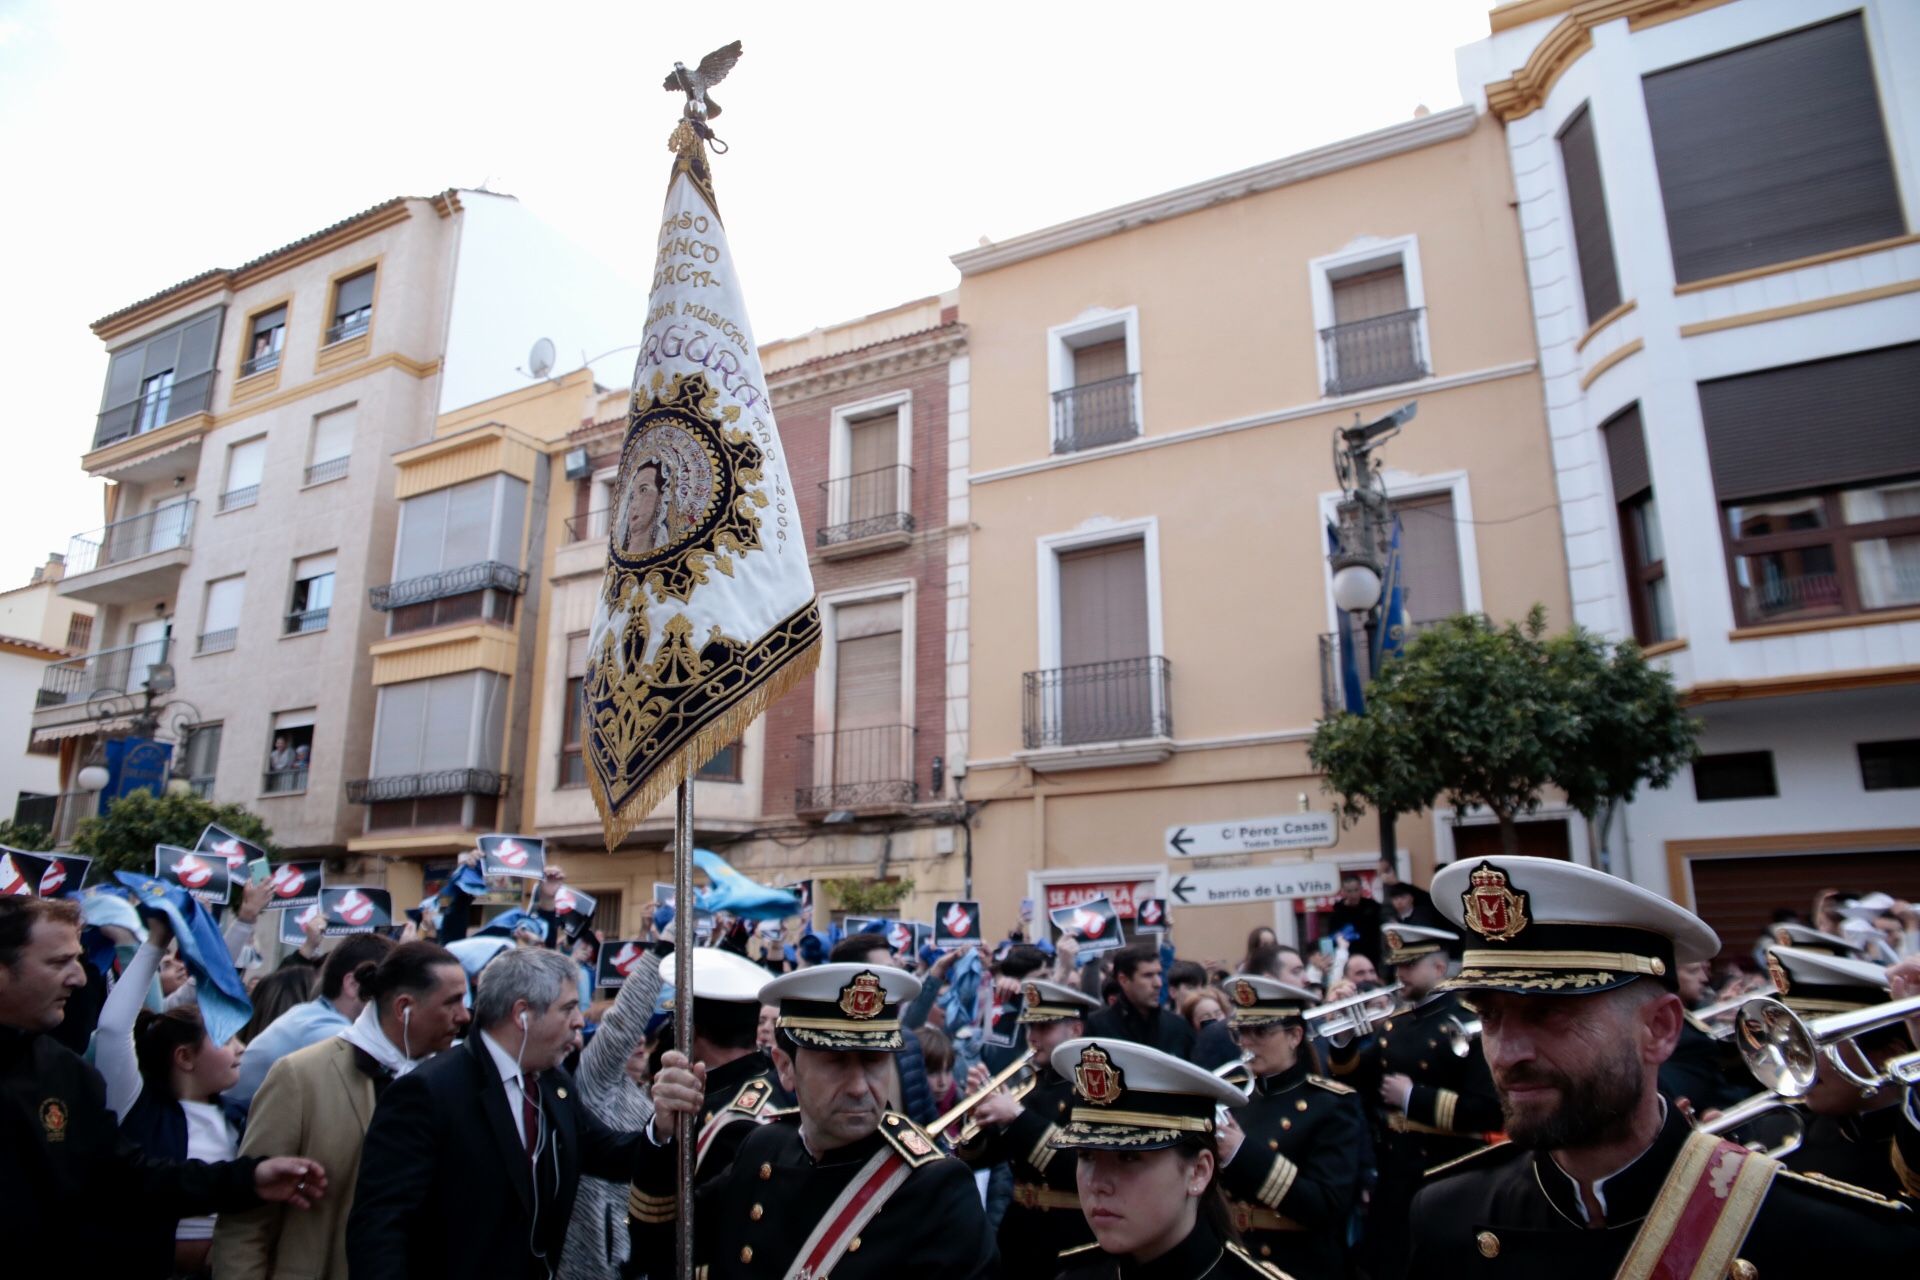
x=1753, y=1108
x=971, y=1130
x=1350, y=1017
x=1784, y=1051
x=1243, y=1081
x=1720, y=1010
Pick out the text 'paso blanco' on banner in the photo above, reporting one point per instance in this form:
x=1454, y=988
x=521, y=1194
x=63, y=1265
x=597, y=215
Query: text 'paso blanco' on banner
x=707, y=613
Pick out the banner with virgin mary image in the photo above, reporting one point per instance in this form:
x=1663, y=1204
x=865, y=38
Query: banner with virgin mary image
x=707, y=613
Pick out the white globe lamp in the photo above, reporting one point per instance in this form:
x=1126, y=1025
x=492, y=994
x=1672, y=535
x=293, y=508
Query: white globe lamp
x=1356, y=587
x=93, y=778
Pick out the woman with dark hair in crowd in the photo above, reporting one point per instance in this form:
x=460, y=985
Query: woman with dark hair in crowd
x=276, y=993
x=1142, y=1122
x=1256, y=939
x=164, y=1075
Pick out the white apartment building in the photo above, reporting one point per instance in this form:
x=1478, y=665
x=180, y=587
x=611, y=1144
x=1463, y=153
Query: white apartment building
x=37, y=624
x=247, y=429
x=1717, y=200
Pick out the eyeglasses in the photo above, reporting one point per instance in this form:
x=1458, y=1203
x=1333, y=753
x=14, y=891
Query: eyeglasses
x=1240, y=1035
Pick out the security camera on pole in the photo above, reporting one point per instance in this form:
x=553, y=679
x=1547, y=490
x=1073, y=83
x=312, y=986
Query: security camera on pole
x=1364, y=554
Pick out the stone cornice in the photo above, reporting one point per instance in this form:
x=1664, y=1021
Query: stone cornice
x=868, y=365
x=1441, y=126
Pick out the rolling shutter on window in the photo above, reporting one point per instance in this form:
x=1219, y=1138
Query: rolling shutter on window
x=1371, y=295
x=1773, y=152
x=333, y=434
x=1099, y=362
x=867, y=665
x=354, y=293
x=1627, y=454
x=1815, y=425
x=423, y=532
x=246, y=463
x=223, y=605
x=1430, y=557
x=396, y=743
x=301, y=719
x=1587, y=198
x=1103, y=604
x=469, y=514
x=874, y=443
x=577, y=654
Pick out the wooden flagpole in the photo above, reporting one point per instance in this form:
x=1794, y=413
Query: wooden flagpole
x=685, y=1125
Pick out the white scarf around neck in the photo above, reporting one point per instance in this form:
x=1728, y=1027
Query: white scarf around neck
x=366, y=1034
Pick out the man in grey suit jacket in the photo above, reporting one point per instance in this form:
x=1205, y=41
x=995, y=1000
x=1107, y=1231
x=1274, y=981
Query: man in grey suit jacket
x=318, y=1101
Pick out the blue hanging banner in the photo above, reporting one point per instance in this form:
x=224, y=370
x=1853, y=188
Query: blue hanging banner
x=136, y=764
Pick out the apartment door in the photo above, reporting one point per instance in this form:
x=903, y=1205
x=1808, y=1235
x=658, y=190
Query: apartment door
x=1103, y=690
x=149, y=647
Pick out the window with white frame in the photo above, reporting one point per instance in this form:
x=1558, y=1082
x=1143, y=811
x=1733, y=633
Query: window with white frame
x=289, y=751
x=1103, y=676
x=869, y=470
x=332, y=444
x=1093, y=371
x=1369, y=305
x=862, y=753
x=246, y=465
x=220, y=624
x=311, y=603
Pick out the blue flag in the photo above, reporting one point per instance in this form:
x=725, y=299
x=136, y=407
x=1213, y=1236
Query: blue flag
x=223, y=996
x=1390, y=627
x=735, y=894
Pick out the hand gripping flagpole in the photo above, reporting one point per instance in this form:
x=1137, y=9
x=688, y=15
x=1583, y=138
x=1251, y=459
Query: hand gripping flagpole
x=683, y=1015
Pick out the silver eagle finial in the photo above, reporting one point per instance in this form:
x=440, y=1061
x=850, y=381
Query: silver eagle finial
x=712, y=70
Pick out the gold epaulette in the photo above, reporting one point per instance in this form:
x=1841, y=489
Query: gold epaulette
x=753, y=1097
x=1451, y=1165
x=1331, y=1086
x=1079, y=1249
x=1837, y=1187
x=909, y=1139
x=1264, y=1268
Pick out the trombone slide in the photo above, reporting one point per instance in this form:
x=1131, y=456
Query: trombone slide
x=961, y=1108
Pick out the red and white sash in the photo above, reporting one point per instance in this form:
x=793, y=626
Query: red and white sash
x=863, y=1197
x=1703, y=1212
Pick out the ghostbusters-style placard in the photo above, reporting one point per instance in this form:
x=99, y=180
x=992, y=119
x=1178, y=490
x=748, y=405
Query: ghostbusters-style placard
x=575, y=907
x=522, y=856
x=868, y=924
x=204, y=875
x=956, y=923
x=906, y=937
x=293, y=923
x=619, y=958
x=237, y=852
x=297, y=885
x=355, y=909
x=45, y=875
x=1150, y=915
x=1094, y=924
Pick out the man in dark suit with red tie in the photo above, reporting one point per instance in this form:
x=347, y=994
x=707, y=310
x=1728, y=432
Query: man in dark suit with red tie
x=472, y=1160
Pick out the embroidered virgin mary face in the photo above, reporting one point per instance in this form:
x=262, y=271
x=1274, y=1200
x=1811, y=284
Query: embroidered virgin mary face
x=644, y=503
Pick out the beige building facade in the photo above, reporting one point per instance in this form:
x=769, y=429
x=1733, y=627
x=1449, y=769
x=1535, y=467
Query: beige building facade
x=1152, y=393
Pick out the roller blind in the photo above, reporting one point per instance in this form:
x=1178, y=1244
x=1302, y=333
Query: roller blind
x=223, y=604
x=267, y=321
x=354, y=293
x=1103, y=604
x=577, y=654
x=333, y=434
x=1773, y=152
x=1370, y=295
x=1430, y=557
x=314, y=566
x=1099, y=362
x=469, y=515
x=448, y=722
x=396, y=743
x=301, y=719
x=1587, y=199
x=867, y=665
x=246, y=463
x=1815, y=425
x=874, y=443
x=1627, y=453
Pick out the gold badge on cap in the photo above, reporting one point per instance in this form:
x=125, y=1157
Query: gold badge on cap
x=1495, y=910
x=1782, y=938
x=1778, y=972
x=1030, y=993
x=863, y=998
x=1244, y=995
x=1096, y=1078
x=1393, y=940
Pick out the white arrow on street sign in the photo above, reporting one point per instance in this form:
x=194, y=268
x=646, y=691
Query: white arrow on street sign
x=1256, y=884
x=1252, y=835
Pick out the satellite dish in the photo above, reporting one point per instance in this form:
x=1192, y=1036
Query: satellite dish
x=540, y=359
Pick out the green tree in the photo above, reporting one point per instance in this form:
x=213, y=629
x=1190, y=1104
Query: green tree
x=122, y=838
x=864, y=897
x=1491, y=715
x=25, y=836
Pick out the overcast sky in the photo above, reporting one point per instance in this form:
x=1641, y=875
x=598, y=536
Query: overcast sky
x=141, y=143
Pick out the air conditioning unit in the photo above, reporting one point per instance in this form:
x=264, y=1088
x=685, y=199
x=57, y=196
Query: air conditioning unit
x=576, y=463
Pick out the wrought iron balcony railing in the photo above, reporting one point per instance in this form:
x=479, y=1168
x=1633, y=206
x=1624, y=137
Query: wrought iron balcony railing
x=448, y=582
x=1373, y=353
x=855, y=769
x=1095, y=414
x=37, y=811
x=245, y=496
x=331, y=469
x=350, y=326
x=120, y=670
x=589, y=527
x=1098, y=702
x=166, y=529
x=262, y=363
x=441, y=782
x=298, y=624
x=155, y=408
x=866, y=505
x=281, y=781
x=217, y=641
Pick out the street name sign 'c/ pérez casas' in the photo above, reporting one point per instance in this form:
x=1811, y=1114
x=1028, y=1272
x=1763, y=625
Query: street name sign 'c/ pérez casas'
x=1256, y=884
x=1252, y=835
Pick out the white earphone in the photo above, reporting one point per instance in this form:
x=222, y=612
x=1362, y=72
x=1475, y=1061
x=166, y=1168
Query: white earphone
x=406, y=1020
